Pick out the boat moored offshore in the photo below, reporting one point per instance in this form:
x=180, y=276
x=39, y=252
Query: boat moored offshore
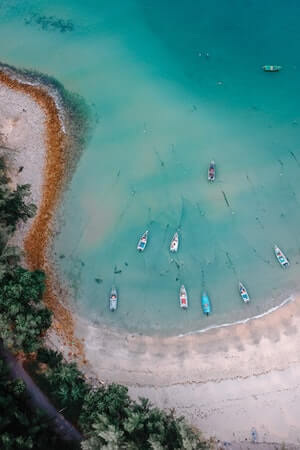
x=243, y=293
x=143, y=242
x=183, y=297
x=269, y=68
x=174, y=243
x=113, y=299
x=205, y=303
x=212, y=171
x=281, y=258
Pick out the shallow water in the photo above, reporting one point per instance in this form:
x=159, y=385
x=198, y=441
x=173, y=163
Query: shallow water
x=162, y=109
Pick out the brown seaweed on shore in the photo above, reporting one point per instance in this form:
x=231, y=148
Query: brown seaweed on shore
x=56, y=175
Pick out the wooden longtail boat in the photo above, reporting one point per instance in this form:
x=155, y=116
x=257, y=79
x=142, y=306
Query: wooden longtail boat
x=281, y=258
x=143, y=242
x=205, y=303
x=113, y=299
x=268, y=68
x=183, y=297
x=212, y=171
x=174, y=243
x=243, y=293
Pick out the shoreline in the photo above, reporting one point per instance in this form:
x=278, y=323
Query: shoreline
x=217, y=354
x=224, y=381
x=38, y=233
x=286, y=301
x=217, y=377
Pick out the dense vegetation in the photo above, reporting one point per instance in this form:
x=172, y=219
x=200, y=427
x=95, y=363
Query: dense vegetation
x=20, y=427
x=13, y=205
x=23, y=318
x=112, y=420
x=107, y=416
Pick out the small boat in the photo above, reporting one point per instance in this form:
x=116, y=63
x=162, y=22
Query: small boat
x=143, y=242
x=113, y=299
x=282, y=259
x=183, y=297
x=174, y=243
x=271, y=68
x=212, y=171
x=243, y=293
x=205, y=303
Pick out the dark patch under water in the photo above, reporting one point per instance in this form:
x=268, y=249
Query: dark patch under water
x=49, y=23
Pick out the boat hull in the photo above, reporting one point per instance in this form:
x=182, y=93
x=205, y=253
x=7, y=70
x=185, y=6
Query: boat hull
x=143, y=242
x=183, y=298
x=268, y=68
x=205, y=303
x=211, y=176
x=243, y=293
x=281, y=258
x=174, y=243
x=113, y=300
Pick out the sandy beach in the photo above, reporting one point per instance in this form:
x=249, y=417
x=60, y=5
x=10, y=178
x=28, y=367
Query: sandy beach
x=35, y=140
x=225, y=381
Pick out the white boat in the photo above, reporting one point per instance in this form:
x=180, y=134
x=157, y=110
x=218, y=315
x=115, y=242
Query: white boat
x=269, y=68
x=212, y=171
x=174, y=243
x=183, y=297
x=282, y=259
x=243, y=293
x=143, y=242
x=113, y=299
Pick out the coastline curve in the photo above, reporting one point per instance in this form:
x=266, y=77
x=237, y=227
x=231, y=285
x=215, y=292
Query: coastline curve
x=64, y=141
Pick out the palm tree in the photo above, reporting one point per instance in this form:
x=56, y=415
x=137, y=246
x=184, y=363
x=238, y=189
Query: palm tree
x=63, y=393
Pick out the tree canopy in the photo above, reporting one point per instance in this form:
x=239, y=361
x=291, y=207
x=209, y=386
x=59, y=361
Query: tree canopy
x=23, y=318
x=13, y=202
x=112, y=420
x=20, y=426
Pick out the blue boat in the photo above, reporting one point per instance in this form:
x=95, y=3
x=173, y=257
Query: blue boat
x=282, y=259
x=143, y=242
x=205, y=303
x=243, y=293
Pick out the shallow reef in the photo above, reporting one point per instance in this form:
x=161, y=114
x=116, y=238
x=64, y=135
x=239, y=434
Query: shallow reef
x=49, y=23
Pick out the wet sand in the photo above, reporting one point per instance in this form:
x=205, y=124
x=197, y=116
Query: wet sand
x=225, y=381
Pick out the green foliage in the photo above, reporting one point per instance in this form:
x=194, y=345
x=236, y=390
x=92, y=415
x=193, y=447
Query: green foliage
x=20, y=427
x=63, y=382
x=67, y=385
x=112, y=401
x=13, y=206
x=49, y=356
x=9, y=257
x=113, y=421
x=22, y=314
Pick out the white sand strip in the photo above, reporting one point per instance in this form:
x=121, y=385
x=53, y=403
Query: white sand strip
x=22, y=139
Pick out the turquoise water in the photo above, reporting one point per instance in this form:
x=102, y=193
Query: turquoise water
x=162, y=109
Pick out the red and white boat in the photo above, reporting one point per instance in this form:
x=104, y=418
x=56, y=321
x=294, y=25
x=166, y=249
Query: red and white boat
x=174, y=243
x=183, y=298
